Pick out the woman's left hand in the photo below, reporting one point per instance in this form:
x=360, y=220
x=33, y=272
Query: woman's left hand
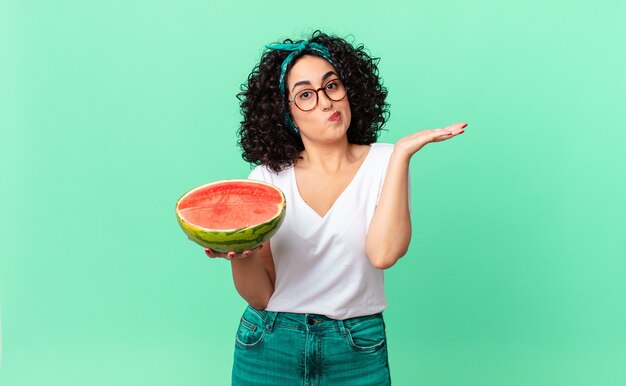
x=411, y=144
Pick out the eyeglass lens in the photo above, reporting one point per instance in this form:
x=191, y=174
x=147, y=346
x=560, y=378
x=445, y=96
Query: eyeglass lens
x=307, y=99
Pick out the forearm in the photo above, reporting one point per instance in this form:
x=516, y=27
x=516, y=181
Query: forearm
x=252, y=281
x=389, y=233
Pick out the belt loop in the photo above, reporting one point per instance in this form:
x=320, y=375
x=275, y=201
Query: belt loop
x=342, y=327
x=269, y=321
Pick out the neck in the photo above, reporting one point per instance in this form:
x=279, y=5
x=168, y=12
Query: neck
x=328, y=157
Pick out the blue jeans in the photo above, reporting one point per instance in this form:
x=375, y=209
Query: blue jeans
x=284, y=349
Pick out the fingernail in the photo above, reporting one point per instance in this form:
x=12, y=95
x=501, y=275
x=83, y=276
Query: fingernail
x=208, y=251
x=231, y=254
x=464, y=126
x=246, y=253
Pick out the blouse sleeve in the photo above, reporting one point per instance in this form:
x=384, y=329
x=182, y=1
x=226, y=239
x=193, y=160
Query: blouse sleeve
x=258, y=174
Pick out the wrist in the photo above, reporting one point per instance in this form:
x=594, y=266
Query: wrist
x=399, y=156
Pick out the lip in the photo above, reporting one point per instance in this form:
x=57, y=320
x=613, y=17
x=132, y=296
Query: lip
x=335, y=117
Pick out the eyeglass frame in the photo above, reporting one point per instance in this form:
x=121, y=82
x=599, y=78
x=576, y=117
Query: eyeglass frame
x=317, y=97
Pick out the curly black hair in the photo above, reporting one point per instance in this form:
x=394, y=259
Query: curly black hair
x=263, y=134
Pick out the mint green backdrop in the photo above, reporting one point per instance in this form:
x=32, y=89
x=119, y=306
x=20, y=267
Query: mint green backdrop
x=110, y=110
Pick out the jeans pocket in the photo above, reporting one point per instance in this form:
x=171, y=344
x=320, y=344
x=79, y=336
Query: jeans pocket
x=251, y=330
x=366, y=334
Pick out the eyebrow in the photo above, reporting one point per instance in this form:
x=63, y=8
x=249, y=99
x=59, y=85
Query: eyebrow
x=305, y=82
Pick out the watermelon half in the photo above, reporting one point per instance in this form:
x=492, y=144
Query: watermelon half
x=231, y=215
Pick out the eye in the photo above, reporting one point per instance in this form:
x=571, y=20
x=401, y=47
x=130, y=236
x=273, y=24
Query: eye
x=304, y=95
x=333, y=84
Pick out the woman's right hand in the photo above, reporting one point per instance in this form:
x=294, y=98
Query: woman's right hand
x=232, y=254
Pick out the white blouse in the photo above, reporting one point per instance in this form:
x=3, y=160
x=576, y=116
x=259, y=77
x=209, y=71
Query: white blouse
x=321, y=265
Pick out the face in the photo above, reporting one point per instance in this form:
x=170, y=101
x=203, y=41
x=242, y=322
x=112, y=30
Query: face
x=329, y=119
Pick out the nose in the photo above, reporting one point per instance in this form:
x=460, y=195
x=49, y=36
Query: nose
x=323, y=100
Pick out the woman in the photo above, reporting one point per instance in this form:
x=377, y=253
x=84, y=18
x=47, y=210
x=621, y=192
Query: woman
x=312, y=113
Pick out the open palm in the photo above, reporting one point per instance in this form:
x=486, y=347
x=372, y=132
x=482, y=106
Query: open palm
x=412, y=143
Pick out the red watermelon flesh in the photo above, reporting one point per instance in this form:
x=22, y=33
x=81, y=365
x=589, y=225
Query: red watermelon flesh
x=230, y=206
x=231, y=215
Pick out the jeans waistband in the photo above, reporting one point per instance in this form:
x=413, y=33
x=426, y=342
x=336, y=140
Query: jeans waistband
x=307, y=321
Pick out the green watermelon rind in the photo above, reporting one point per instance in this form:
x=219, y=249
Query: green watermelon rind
x=237, y=240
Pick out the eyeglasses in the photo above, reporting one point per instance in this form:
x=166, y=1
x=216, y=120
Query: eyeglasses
x=307, y=99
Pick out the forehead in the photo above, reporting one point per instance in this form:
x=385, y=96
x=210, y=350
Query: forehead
x=309, y=67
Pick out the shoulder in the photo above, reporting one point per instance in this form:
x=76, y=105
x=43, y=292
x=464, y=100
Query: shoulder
x=264, y=173
x=381, y=150
x=380, y=146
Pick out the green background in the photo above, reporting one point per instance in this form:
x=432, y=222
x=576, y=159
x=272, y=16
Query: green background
x=110, y=110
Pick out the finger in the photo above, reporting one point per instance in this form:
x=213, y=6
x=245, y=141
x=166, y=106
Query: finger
x=442, y=133
x=208, y=252
x=457, y=128
x=248, y=252
x=459, y=125
x=231, y=255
